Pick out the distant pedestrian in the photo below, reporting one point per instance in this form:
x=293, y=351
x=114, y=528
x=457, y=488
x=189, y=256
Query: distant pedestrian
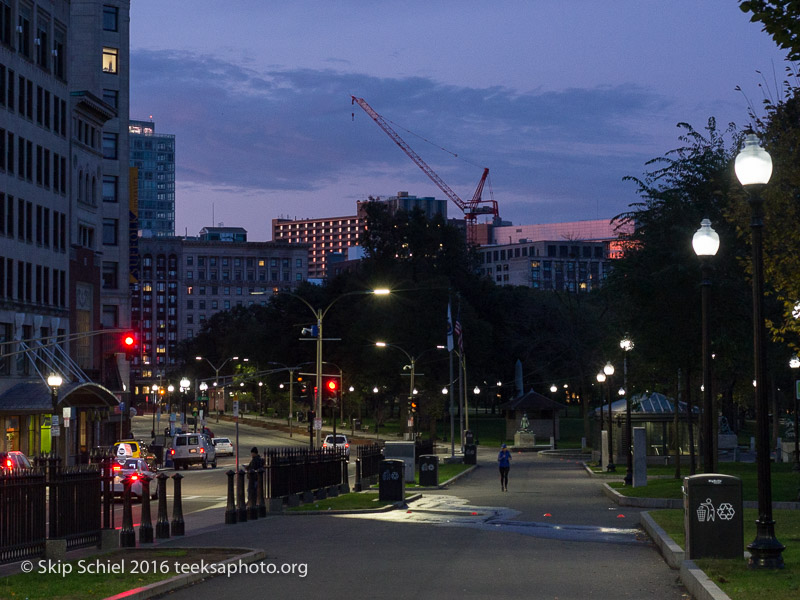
x=504, y=462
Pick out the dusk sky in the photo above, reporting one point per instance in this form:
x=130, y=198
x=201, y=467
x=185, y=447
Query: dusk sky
x=560, y=99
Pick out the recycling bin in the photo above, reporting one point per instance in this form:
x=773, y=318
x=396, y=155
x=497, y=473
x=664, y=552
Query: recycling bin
x=391, y=484
x=470, y=454
x=469, y=437
x=428, y=470
x=713, y=516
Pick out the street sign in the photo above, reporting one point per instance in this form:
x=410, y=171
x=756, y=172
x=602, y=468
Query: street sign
x=236, y=408
x=54, y=421
x=55, y=431
x=797, y=389
x=317, y=424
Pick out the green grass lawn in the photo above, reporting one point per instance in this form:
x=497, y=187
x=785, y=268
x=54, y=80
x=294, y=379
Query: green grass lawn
x=446, y=472
x=785, y=482
x=79, y=584
x=733, y=575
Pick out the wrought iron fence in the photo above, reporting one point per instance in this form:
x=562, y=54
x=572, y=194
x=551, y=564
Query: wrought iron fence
x=370, y=456
x=22, y=515
x=296, y=470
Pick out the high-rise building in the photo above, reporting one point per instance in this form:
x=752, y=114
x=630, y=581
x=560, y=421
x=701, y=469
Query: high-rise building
x=63, y=217
x=153, y=156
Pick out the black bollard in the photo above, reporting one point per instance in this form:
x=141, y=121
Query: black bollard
x=230, y=511
x=127, y=536
x=357, y=486
x=262, y=504
x=146, y=525
x=162, y=522
x=108, y=493
x=241, y=513
x=345, y=478
x=177, y=506
x=252, y=493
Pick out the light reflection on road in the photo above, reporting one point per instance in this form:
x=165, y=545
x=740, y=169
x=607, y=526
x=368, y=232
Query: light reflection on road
x=450, y=511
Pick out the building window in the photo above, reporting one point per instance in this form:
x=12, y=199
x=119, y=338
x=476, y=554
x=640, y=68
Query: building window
x=109, y=188
x=110, y=145
x=110, y=228
x=111, y=97
x=110, y=18
x=109, y=275
x=110, y=57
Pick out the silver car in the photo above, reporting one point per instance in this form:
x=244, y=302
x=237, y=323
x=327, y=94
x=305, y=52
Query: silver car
x=223, y=446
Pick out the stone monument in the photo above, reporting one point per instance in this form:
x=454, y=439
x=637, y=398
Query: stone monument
x=524, y=438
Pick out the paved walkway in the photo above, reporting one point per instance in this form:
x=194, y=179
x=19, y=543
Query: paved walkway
x=553, y=535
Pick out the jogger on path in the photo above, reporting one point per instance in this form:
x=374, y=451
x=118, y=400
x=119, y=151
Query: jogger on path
x=504, y=462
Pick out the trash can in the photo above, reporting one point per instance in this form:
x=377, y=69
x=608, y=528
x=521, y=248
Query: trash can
x=429, y=470
x=470, y=454
x=392, y=485
x=713, y=516
x=469, y=437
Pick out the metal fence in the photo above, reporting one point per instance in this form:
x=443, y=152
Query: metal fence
x=22, y=515
x=53, y=502
x=370, y=456
x=296, y=470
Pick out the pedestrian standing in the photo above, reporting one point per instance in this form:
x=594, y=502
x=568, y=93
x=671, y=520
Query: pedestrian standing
x=256, y=462
x=504, y=462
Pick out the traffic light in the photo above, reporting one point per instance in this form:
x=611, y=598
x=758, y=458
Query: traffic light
x=413, y=407
x=130, y=345
x=332, y=387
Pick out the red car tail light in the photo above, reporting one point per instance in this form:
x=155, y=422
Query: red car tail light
x=172, y=450
x=117, y=468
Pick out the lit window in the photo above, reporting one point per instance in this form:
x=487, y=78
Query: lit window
x=110, y=56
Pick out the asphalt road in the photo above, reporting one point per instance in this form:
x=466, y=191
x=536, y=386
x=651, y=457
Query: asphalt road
x=553, y=535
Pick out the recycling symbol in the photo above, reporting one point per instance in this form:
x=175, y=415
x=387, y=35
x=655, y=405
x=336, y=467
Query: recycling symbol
x=725, y=511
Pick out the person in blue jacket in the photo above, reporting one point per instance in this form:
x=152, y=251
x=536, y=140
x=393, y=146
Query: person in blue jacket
x=504, y=462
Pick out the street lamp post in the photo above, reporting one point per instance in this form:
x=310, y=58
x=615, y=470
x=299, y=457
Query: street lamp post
x=601, y=378
x=155, y=400
x=608, y=371
x=319, y=315
x=184, y=383
x=553, y=390
x=627, y=345
x=706, y=243
x=413, y=368
x=795, y=364
x=54, y=381
x=753, y=169
x=216, y=372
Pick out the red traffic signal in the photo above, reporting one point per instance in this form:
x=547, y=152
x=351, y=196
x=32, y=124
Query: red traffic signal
x=332, y=385
x=130, y=345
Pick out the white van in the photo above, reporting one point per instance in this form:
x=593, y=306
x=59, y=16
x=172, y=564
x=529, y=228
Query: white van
x=192, y=449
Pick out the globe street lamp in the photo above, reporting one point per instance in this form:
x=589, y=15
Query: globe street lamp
x=608, y=371
x=627, y=345
x=795, y=364
x=184, y=383
x=753, y=167
x=54, y=381
x=706, y=243
x=601, y=378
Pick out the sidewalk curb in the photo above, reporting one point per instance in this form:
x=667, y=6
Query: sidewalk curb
x=359, y=511
x=184, y=580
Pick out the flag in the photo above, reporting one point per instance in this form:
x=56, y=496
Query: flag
x=458, y=333
x=449, y=329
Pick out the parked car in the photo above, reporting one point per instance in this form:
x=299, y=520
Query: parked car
x=192, y=449
x=134, y=449
x=341, y=444
x=135, y=469
x=223, y=446
x=13, y=461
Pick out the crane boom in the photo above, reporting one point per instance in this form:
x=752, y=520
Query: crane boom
x=470, y=209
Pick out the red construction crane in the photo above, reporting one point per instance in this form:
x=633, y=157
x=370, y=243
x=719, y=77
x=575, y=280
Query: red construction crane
x=472, y=209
